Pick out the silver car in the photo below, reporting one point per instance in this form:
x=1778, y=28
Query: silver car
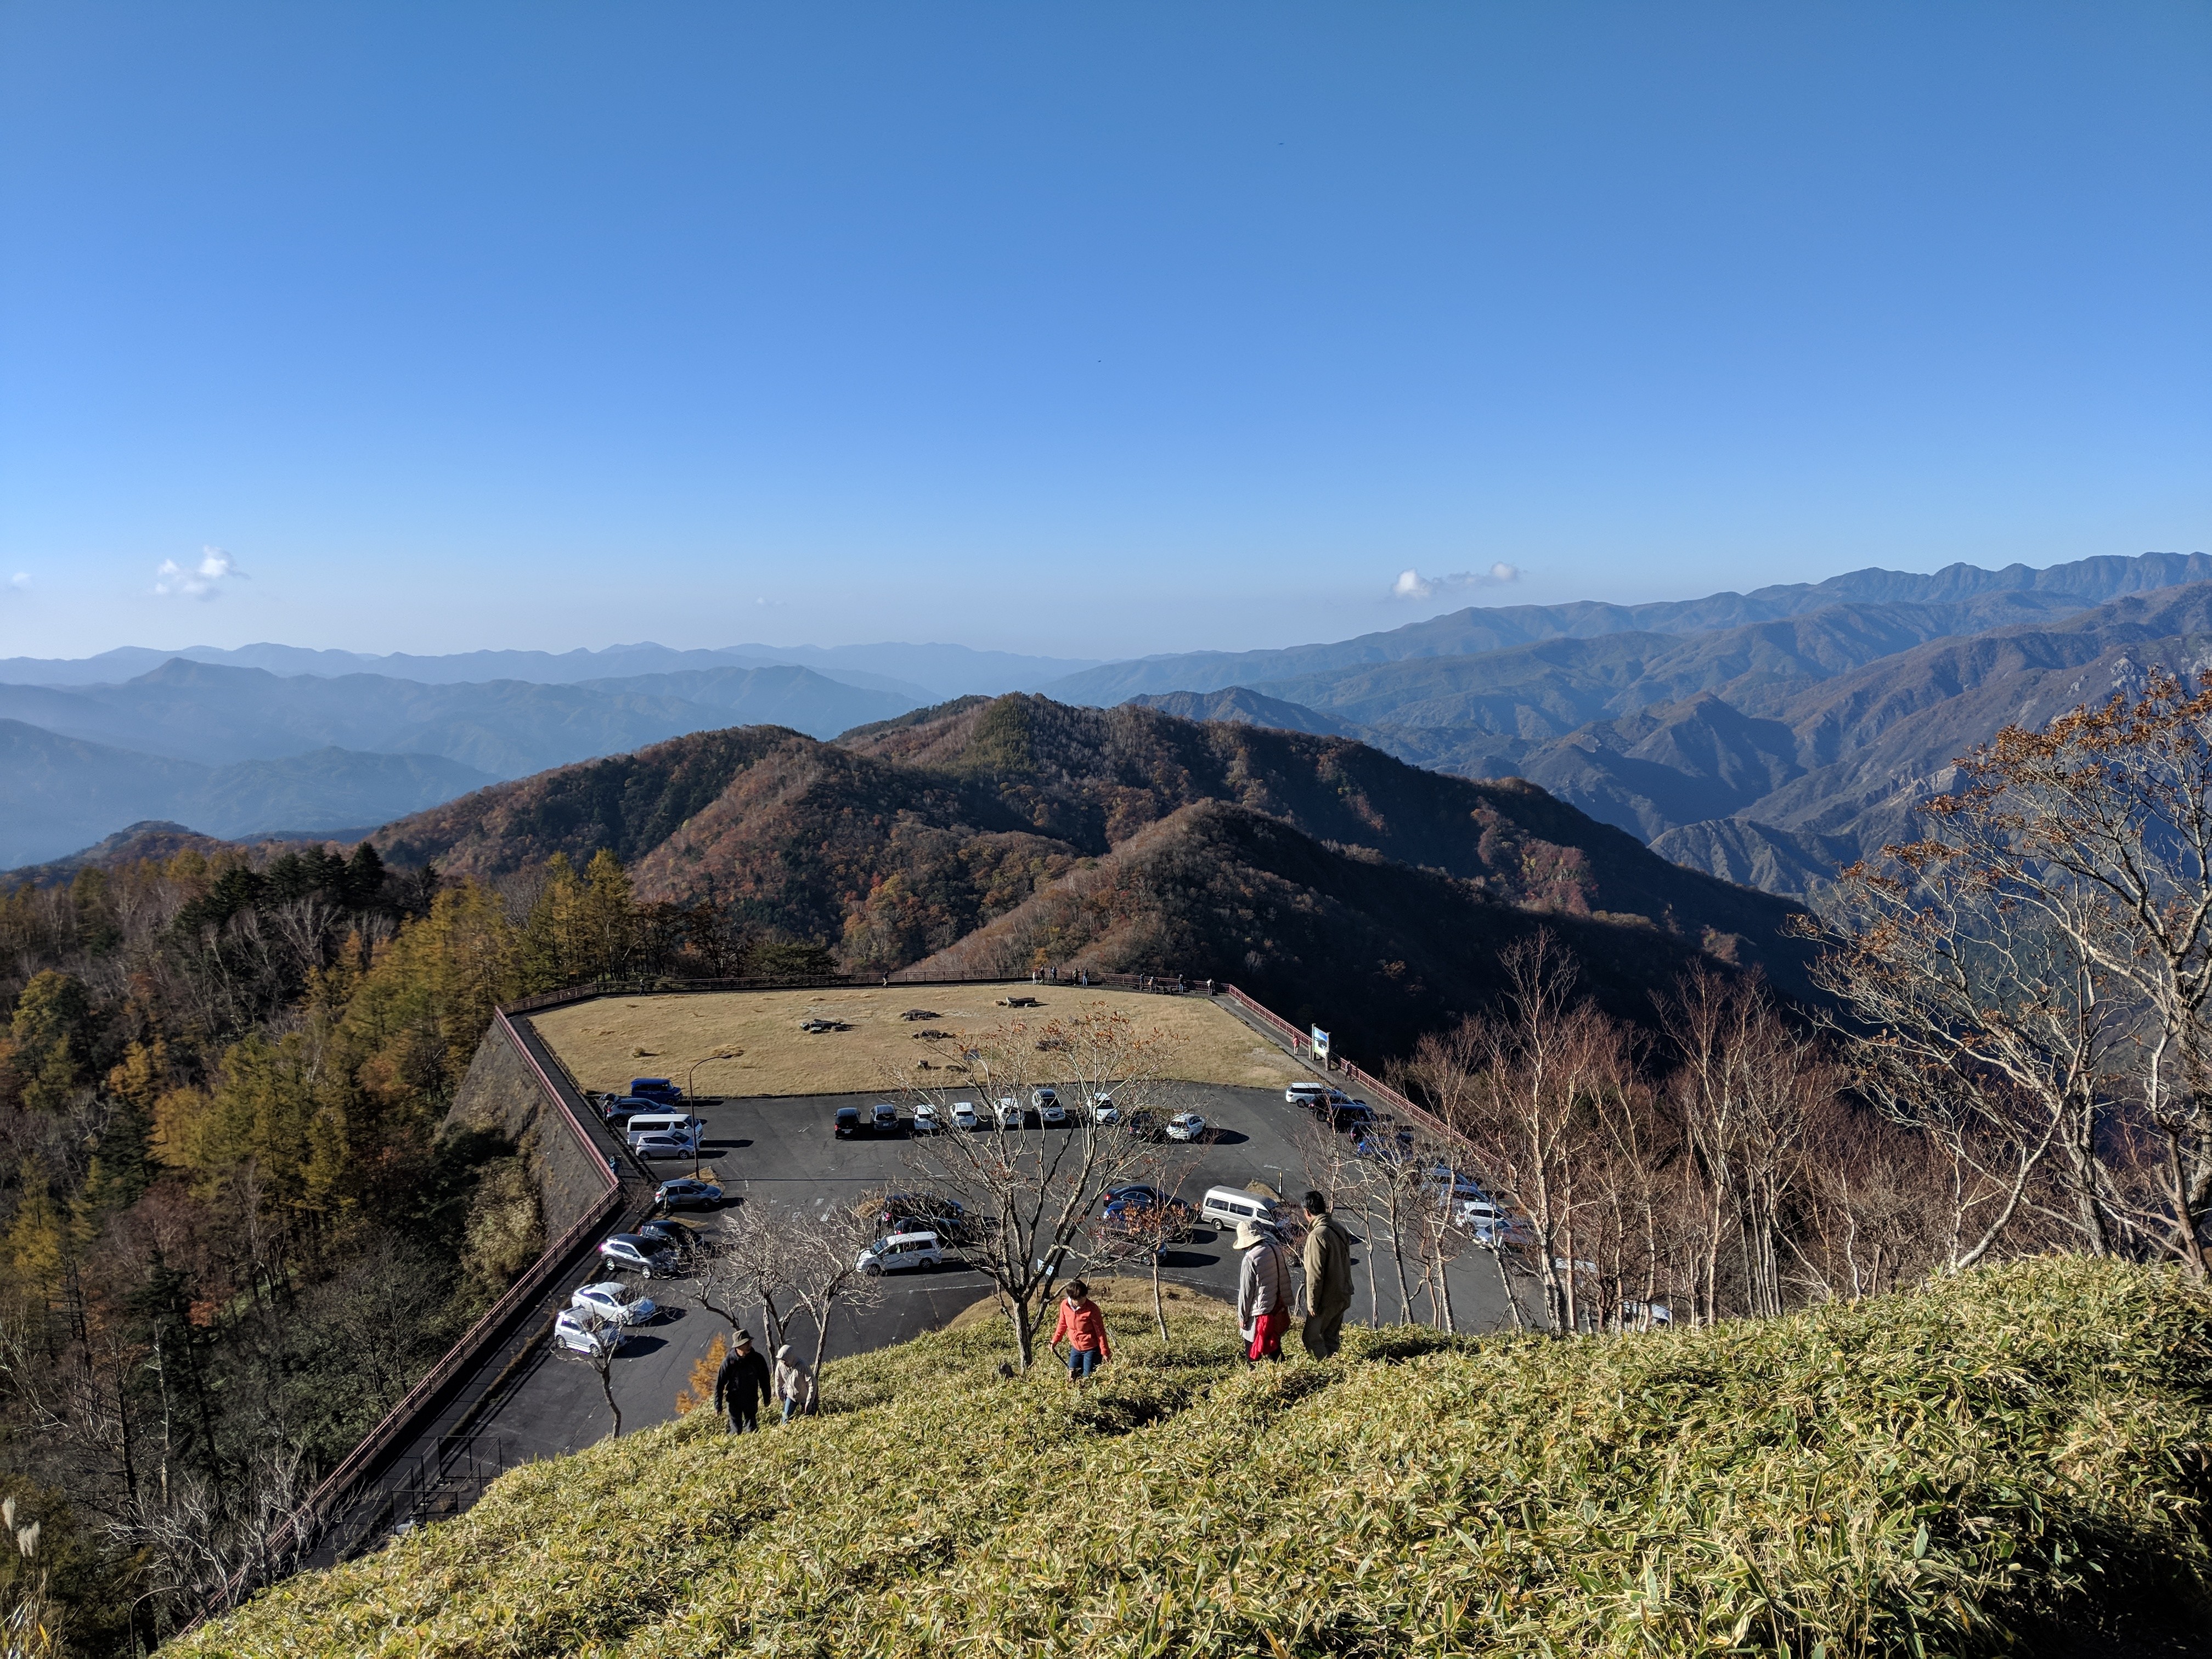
x=616, y=1303
x=582, y=1333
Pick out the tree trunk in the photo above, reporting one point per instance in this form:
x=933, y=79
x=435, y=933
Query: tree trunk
x=1159, y=1311
x=606, y=1368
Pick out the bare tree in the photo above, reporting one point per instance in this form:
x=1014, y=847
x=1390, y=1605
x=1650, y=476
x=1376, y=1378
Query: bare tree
x=1981, y=1020
x=1031, y=1195
x=1542, y=1061
x=1145, y=1233
x=2099, y=828
x=825, y=1270
x=750, y=1260
x=601, y=1358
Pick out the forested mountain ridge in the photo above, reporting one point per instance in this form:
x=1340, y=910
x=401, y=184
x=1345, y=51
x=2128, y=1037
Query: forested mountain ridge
x=1479, y=630
x=1769, y=753
x=902, y=839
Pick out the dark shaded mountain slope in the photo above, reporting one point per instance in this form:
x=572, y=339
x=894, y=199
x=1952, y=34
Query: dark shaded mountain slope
x=1378, y=949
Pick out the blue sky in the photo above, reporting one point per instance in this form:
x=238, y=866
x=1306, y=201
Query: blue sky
x=1093, y=330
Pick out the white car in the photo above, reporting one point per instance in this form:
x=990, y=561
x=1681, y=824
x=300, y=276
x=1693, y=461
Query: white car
x=1009, y=1113
x=1104, y=1110
x=963, y=1115
x=1050, y=1113
x=582, y=1333
x=1186, y=1126
x=616, y=1303
x=926, y=1120
x=900, y=1252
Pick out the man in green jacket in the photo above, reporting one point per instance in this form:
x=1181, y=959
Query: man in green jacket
x=1328, y=1278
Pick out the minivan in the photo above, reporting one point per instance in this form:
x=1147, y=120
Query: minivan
x=1227, y=1205
x=656, y=1088
x=680, y=1124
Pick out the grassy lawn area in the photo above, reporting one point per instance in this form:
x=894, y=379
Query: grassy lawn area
x=607, y=1041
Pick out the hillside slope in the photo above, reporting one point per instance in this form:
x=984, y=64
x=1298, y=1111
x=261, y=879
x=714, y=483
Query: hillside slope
x=2010, y=1461
x=903, y=838
x=1379, y=950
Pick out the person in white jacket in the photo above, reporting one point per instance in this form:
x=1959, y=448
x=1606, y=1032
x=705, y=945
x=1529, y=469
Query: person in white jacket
x=794, y=1383
x=1264, y=1292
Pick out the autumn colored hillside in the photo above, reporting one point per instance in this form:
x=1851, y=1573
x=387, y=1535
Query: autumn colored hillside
x=897, y=842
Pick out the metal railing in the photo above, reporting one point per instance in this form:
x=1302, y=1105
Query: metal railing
x=1301, y=1048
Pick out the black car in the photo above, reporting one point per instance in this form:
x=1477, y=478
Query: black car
x=676, y=1234
x=1353, y=1117
x=1144, y=1125
x=908, y=1212
x=848, y=1121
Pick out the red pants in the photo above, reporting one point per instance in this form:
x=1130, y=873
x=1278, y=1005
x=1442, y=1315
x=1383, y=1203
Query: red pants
x=1268, y=1335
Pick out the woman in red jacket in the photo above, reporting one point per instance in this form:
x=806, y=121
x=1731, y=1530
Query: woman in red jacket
x=1083, y=1327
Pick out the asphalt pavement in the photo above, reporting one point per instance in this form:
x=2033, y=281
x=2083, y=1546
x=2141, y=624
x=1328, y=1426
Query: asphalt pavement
x=783, y=1151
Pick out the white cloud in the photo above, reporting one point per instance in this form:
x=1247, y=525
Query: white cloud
x=21, y=582
x=1413, y=585
x=200, y=582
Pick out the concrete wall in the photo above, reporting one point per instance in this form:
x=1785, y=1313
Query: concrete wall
x=501, y=1096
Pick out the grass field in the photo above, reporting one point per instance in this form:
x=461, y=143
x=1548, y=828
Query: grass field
x=1950, y=1472
x=608, y=1041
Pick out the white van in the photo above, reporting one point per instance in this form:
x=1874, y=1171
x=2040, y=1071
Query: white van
x=1225, y=1206
x=682, y=1125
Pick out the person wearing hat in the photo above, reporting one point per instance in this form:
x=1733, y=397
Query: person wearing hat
x=794, y=1383
x=742, y=1384
x=1263, y=1292
x=1083, y=1327
x=1328, y=1278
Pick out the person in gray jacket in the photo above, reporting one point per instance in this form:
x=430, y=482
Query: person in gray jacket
x=1263, y=1292
x=794, y=1383
x=1328, y=1278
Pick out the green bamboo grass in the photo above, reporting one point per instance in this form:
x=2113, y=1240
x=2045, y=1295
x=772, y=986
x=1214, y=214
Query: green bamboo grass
x=1926, y=1474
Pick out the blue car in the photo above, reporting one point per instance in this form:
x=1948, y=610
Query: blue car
x=657, y=1089
x=1380, y=1140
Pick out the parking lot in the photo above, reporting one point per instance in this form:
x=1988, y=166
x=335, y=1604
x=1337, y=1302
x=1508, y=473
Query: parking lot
x=783, y=1151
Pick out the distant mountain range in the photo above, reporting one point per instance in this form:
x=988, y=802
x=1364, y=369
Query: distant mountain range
x=1765, y=738
x=85, y=761
x=1480, y=631
x=925, y=673
x=63, y=792
x=1767, y=752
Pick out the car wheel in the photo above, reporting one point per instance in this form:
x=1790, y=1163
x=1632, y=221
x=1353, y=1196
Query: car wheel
x=872, y=1271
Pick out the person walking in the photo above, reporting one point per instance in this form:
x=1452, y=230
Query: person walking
x=1083, y=1327
x=1328, y=1278
x=793, y=1383
x=741, y=1385
x=1263, y=1293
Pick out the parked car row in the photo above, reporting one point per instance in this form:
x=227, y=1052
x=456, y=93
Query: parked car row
x=1044, y=1107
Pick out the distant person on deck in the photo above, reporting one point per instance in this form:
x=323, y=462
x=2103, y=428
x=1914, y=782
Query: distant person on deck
x=1263, y=1293
x=742, y=1384
x=1083, y=1327
x=794, y=1383
x=1328, y=1278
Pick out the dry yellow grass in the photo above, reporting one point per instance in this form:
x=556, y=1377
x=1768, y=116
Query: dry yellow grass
x=608, y=1041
